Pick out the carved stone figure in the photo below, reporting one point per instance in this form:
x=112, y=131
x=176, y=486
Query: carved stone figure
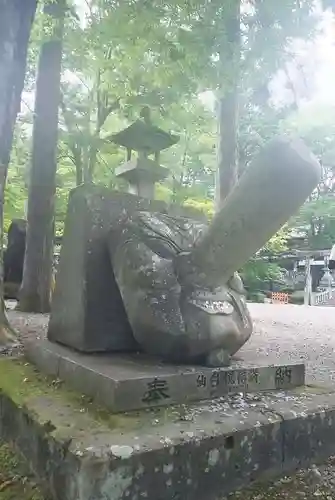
x=133, y=277
x=177, y=279
x=176, y=320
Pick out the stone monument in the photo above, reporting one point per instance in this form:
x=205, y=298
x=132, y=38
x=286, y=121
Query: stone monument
x=138, y=284
x=177, y=279
x=14, y=257
x=169, y=284
x=143, y=287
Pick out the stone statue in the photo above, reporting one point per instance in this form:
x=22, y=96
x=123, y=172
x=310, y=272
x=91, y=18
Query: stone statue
x=132, y=277
x=170, y=317
x=177, y=278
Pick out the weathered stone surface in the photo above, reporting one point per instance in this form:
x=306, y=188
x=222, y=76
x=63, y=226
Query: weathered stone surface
x=14, y=253
x=178, y=279
x=87, y=310
x=177, y=323
x=302, y=421
x=145, y=137
x=123, y=383
x=181, y=298
x=142, y=174
x=188, y=453
x=14, y=258
x=271, y=190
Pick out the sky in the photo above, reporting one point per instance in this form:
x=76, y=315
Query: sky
x=320, y=57
x=320, y=66
x=325, y=74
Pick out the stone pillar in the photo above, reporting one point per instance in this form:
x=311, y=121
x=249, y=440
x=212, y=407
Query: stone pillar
x=308, y=296
x=267, y=195
x=143, y=188
x=142, y=173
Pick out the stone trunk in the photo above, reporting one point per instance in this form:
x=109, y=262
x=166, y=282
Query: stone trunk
x=270, y=192
x=177, y=278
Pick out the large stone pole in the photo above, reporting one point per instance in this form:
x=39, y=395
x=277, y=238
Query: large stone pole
x=267, y=195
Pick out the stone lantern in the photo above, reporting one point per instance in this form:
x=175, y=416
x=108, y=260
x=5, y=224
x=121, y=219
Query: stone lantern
x=147, y=140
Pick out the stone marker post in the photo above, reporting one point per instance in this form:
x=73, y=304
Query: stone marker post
x=308, y=296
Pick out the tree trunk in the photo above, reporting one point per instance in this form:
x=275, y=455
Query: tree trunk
x=37, y=273
x=75, y=148
x=227, y=161
x=15, y=24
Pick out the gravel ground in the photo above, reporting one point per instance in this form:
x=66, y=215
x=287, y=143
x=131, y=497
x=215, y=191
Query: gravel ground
x=295, y=333
x=282, y=333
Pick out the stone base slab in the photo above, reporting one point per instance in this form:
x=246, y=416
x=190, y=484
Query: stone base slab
x=196, y=452
x=130, y=382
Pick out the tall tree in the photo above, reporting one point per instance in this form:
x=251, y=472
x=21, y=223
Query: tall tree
x=15, y=25
x=37, y=274
x=163, y=56
x=229, y=50
x=84, y=125
x=255, y=42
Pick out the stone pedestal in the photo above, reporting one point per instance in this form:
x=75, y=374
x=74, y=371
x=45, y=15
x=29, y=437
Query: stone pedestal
x=131, y=382
x=191, y=452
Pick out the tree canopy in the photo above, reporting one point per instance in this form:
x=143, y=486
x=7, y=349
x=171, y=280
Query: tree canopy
x=176, y=57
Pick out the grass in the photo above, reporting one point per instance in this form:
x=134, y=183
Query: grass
x=23, y=384
x=15, y=481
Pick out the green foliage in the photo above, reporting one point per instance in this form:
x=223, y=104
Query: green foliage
x=125, y=55
x=278, y=243
x=16, y=192
x=316, y=219
x=204, y=206
x=257, y=273
x=16, y=480
x=130, y=54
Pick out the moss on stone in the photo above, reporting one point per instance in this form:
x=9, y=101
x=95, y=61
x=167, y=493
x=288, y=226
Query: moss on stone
x=24, y=384
x=21, y=381
x=15, y=481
